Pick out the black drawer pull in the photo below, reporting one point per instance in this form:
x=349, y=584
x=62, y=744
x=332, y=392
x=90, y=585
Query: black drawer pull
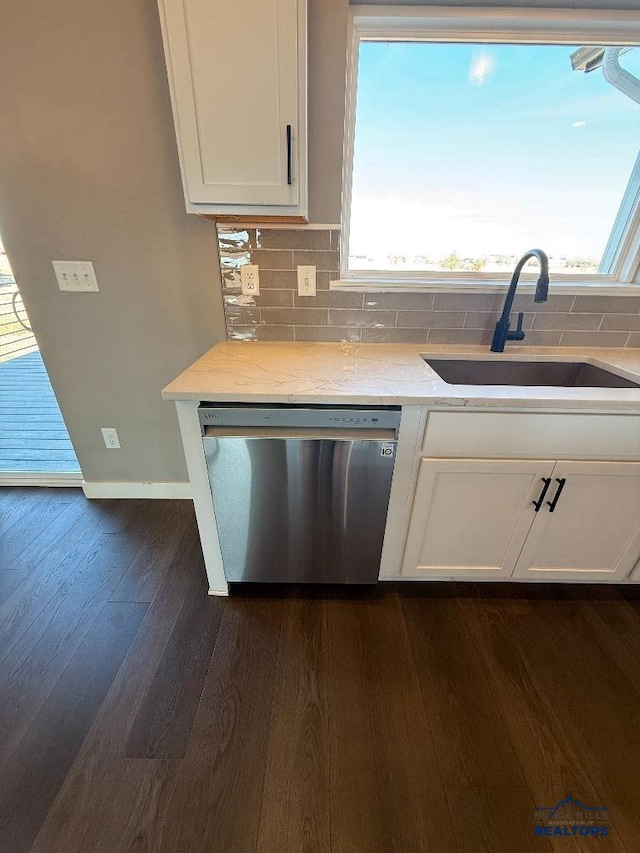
x=289, y=154
x=552, y=504
x=547, y=482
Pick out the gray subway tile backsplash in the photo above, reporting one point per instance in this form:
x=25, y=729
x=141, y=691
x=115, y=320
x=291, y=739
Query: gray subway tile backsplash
x=568, y=322
x=607, y=304
x=459, y=336
x=329, y=261
x=594, y=339
x=431, y=319
x=260, y=332
x=329, y=299
x=394, y=336
x=290, y=238
x=273, y=259
x=328, y=333
x=408, y=301
x=278, y=313
x=621, y=323
x=362, y=318
x=295, y=316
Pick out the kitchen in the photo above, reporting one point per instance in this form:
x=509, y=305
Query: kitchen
x=432, y=716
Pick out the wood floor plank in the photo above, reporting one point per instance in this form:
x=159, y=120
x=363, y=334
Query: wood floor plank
x=15, y=506
x=9, y=582
x=615, y=626
x=361, y=816
x=37, y=547
x=599, y=718
x=216, y=802
x=146, y=572
x=415, y=814
x=494, y=819
x=38, y=768
x=28, y=528
x=89, y=782
x=163, y=725
x=119, y=809
x=107, y=802
x=526, y=688
x=295, y=812
x=99, y=553
x=33, y=666
x=473, y=748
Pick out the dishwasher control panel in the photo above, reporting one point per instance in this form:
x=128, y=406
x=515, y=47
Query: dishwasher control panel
x=323, y=417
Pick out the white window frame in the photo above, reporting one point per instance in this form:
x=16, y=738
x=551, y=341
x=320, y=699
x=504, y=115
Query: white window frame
x=490, y=25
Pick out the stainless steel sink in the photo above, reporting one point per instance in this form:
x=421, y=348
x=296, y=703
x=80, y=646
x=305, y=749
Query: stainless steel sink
x=566, y=374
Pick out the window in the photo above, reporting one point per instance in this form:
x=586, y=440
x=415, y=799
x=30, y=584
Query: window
x=463, y=154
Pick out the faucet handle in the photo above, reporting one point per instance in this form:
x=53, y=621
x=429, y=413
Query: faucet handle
x=518, y=334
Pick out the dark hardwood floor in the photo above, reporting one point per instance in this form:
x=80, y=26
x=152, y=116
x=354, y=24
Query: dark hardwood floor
x=139, y=714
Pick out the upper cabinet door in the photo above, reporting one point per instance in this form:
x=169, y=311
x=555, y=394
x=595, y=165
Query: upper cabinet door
x=237, y=73
x=593, y=532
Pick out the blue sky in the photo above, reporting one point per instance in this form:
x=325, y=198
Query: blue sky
x=488, y=148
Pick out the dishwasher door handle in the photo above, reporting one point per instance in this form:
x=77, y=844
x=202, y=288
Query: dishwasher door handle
x=331, y=434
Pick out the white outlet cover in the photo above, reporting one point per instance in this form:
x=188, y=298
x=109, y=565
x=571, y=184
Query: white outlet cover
x=110, y=438
x=250, y=279
x=76, y=276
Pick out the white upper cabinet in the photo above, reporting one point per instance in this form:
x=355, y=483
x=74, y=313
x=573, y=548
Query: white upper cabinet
x=237, y=74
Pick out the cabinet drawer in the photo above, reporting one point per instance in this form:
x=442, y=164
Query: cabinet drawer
x=532, y=435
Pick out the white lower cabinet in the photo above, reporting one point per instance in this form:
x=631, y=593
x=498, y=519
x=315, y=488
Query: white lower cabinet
x=470, y=517
x=490, y=519
x=594, y=531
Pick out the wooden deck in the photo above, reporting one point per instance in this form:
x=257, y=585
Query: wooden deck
x=16, y=337
x=33, y=436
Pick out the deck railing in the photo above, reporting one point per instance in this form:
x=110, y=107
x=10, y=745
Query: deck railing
x=16, y=337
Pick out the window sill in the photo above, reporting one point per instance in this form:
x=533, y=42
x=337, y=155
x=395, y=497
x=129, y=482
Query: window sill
x=591, y=288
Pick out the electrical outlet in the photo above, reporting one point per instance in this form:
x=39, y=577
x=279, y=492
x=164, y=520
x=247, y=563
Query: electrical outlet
x=76, y=276
x=306, y=281
x=250, y=279
x=110, y=436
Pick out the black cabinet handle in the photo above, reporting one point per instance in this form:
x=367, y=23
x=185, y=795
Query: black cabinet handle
x=547, y=482
x=552, y=504
x=289, y=164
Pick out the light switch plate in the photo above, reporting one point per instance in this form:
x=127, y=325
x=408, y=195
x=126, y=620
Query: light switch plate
x=76, y=276
x=250, y=279
x=306, y=281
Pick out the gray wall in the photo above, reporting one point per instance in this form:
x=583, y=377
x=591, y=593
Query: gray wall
x=88, y=169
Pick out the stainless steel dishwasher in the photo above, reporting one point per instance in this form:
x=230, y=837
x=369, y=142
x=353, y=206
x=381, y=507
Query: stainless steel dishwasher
x=300, y=492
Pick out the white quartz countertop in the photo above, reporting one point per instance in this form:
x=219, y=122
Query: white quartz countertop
x=387, y=374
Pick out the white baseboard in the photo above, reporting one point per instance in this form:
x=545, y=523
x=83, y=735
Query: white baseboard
x=17, y=478
x=176, y=491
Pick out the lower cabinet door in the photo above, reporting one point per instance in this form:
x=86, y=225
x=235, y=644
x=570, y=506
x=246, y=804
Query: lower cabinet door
x=593, y=532
x=470, y=518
